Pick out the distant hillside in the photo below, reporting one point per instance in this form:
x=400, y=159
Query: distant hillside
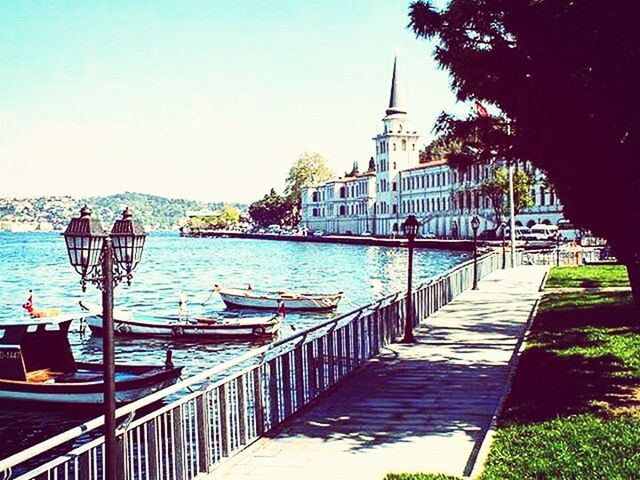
x=46, y=213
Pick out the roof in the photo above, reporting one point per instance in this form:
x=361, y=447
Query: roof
x=394, y=101
x=422, y=166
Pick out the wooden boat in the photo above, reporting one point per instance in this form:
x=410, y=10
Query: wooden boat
x=250, y=298
x=128, y=323
x=37, y=365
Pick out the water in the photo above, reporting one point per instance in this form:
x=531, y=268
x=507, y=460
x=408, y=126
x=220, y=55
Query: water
x=172, y=264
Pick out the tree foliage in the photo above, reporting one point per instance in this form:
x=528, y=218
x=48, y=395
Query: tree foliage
x=273, y=209
x=496, y=189
x=309, y=169
x=561, y=73
x=223, y=219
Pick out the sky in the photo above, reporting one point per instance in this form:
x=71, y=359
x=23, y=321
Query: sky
x=209, y=100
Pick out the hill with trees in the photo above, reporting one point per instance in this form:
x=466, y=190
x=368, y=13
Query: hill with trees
x=54, y=212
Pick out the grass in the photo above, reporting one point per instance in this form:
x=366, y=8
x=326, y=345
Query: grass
x=574, y=408
x=588, y=277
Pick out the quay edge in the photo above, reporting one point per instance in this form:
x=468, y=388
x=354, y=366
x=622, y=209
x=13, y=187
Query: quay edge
x=433, y=243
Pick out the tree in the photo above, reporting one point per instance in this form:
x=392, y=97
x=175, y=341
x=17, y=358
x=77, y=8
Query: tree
x=496, y=189
x=560, y=71
x=272, y=209
x=309, y=169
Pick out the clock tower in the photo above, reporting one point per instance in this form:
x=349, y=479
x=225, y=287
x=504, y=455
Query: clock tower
x=396, y=150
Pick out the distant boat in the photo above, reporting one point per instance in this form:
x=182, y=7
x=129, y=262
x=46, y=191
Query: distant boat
x=250, y=298
x=37, y=365
x=128, y=323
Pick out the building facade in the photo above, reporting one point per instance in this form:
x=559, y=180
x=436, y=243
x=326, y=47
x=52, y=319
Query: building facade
x=397, y=184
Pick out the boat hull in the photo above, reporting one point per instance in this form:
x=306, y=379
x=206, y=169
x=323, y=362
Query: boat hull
x=246, y=300
x=140, y=325
x=132, y=383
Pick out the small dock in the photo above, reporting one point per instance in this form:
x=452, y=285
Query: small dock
x=424, y=407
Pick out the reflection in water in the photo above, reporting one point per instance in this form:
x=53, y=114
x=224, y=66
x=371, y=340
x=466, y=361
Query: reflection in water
x=171, y=264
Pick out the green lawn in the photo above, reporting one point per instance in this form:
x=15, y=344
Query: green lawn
x=588, y=276
x=574, y=408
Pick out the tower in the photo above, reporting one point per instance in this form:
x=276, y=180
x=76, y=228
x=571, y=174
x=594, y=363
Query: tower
x=396, y=150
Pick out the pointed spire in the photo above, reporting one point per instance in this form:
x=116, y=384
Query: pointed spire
x=394, y=102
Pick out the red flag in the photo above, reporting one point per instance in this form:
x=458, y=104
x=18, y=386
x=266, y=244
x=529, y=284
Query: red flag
x=482, y=111
x=282, y=310
x=28, y=305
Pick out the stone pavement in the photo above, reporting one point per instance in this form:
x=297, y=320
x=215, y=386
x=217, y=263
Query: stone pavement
x=424, y=407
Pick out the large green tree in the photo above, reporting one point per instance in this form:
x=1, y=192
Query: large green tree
x=272, y=209
x=561, y=71
x=309, y=169
x=496, y=189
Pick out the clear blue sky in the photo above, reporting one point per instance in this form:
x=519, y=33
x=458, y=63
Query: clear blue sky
x=209, y=100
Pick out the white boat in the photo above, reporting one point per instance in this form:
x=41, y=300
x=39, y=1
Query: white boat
x=137, y=324
x=37, y=365
x=250, y=298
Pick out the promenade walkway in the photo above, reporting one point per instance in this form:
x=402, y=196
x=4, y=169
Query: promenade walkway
x=421, y=407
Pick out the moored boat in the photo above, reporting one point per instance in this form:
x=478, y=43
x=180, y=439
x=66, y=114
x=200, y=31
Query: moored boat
x=137, y=324
x=37, y=365
x=250, y=298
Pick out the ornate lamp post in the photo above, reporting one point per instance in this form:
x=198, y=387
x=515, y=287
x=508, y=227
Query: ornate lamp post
x=475, y=223
x=410, y=228
x=92, y=253
x=503, y=226
x=558, y=239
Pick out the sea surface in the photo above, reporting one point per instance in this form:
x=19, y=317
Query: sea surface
x=172, y=264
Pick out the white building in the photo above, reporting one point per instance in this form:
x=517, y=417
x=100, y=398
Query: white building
x=397, y=184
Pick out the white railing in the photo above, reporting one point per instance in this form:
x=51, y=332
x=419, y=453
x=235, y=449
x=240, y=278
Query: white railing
x=233, y=404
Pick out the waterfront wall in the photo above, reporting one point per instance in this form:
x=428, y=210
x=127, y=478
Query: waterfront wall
x=432, y=243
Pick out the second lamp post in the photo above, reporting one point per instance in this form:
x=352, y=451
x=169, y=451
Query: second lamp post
x=410, y=228
x=475, y=223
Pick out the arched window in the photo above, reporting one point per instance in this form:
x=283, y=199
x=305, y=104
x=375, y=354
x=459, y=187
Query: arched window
x=342, y=192
x=404, y=145
x=342, y=210
x=394, y=146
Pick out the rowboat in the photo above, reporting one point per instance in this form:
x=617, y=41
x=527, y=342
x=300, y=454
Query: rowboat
x=250, y=298
x=138, y=324
x=37, y=365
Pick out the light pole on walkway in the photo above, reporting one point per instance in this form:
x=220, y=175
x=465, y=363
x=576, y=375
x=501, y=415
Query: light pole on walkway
x=410, y=227
x=503, y=225
x=558, y=239
x=475, y=223
x=92, y=253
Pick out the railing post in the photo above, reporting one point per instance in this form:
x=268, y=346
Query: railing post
x=274, y=401
x=258, y=399
x=202, y=429
x=287, y=392
x=225, y=434
x=298, y=372
x=312, y=371
x=178, y=444
x=242, y=410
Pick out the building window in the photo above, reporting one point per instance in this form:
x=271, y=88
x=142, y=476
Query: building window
x=342, y=210
x=315, y=196
x=404, y=145
x=395, y=186
x=395, y=208
x=542, y=199
x=342, y=192
x=413, y=147
x=394, y=146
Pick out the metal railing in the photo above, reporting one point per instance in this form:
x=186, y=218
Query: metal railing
x=233, y=404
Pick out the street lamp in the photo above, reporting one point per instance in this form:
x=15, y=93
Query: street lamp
x=475, y=223
x=558, y=236
x=410, y=228
x=503, y=226
x=92, y=252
